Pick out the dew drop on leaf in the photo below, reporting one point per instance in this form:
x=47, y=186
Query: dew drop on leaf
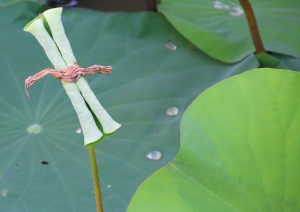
x=236, y=11
x=170, y=46
x=172, y=111
x=79, y=130
x=108, y=186
x=154, y=155
x=4, y=192
x=220, y=5
x=34, y=129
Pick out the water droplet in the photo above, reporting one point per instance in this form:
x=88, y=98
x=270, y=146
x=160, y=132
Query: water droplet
x=220, y=5
x=170, y=46
x=34, y=129
x=236, y=11
x=154, y=155
x=79, y=130
x=172, y=111
x=4, y=192
x=108, y=186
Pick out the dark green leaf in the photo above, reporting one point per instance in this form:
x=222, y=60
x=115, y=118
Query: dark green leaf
x=292, y=63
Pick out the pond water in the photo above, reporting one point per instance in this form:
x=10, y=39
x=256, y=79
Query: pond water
x=102, y=5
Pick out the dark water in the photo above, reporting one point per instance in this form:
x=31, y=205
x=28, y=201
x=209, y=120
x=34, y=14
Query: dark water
x=102, y=5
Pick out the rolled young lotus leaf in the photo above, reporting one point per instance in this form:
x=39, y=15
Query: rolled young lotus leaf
x=53, y=18
x=88, y=125
x=108, y=124
x=37, y=29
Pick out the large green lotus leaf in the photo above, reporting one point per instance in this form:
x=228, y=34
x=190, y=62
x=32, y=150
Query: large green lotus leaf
x=221, y=30
x=240, y=149
x=146, y=80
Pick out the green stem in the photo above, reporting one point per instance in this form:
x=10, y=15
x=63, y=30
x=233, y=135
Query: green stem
x=95, y=174
x=253, y=26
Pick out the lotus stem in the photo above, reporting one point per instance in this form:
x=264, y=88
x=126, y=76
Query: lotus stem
x=95, y=173
x=253, y=26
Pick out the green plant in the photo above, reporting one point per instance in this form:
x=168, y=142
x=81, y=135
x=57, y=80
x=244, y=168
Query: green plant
x=240, y=149
x=220, y=28
x=148, y=77
x=49, y=31
x=239, y=143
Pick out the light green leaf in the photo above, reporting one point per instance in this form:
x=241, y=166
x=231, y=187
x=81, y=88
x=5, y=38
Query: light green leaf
x=221, y=30
x=146, y=80
x=240, y=149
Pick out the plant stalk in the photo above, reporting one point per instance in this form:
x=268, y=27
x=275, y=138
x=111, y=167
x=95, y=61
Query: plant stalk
x=253, y=26
x=95, y=173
